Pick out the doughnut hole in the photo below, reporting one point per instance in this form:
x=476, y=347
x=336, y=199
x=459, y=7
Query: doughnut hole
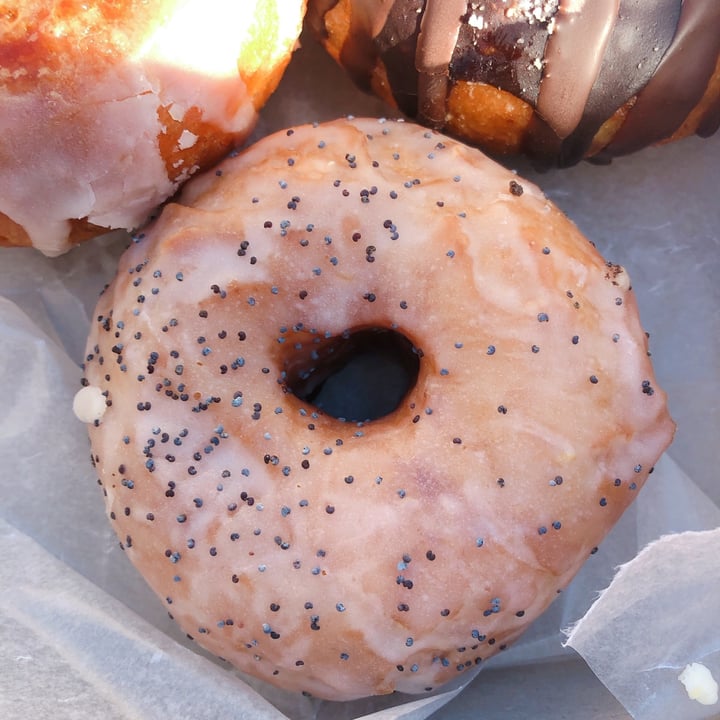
x=360, y=375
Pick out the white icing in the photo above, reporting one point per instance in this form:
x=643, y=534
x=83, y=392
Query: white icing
x=176, y=113
x=102, y=159
x=187, y=140
x=194, y=40
x=92, y=166
x=699, y=683
x=89, y=404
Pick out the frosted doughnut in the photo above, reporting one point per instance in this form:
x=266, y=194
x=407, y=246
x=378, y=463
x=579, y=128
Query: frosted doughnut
x=340, y=548
x=107, y=107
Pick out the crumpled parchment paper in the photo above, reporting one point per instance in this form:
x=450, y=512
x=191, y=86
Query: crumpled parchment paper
x=642, y=607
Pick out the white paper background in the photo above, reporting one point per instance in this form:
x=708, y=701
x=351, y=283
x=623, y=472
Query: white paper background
x=81, y=636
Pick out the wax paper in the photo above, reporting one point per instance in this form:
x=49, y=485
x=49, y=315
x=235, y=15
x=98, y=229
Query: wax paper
x=641, y=607
x=82, y=636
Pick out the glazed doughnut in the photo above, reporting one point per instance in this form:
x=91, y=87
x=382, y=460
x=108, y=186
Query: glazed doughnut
x=559, y=80
x=107, y=107
x=362, y=402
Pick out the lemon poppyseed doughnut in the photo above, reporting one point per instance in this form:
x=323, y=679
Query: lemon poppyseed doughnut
x=107, y=107
x=559, y=80
x=369, y=401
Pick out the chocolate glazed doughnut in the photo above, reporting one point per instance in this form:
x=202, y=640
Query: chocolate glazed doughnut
x=559, y=80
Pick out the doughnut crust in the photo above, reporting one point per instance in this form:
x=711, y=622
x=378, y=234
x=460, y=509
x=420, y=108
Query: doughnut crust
x=350, y=558
x=107, y=107
x=559, y=80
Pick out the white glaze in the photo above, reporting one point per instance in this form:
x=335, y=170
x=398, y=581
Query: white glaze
x=91, y=150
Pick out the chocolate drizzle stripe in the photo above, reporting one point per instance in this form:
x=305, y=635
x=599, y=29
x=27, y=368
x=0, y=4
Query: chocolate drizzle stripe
x=396, y=46
x=573, y=57
x=710, y=122
x=639, y=39
x=366, y=21
x=439, y=29
x=679, y=81
x=374, y=13
x=432, y=94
